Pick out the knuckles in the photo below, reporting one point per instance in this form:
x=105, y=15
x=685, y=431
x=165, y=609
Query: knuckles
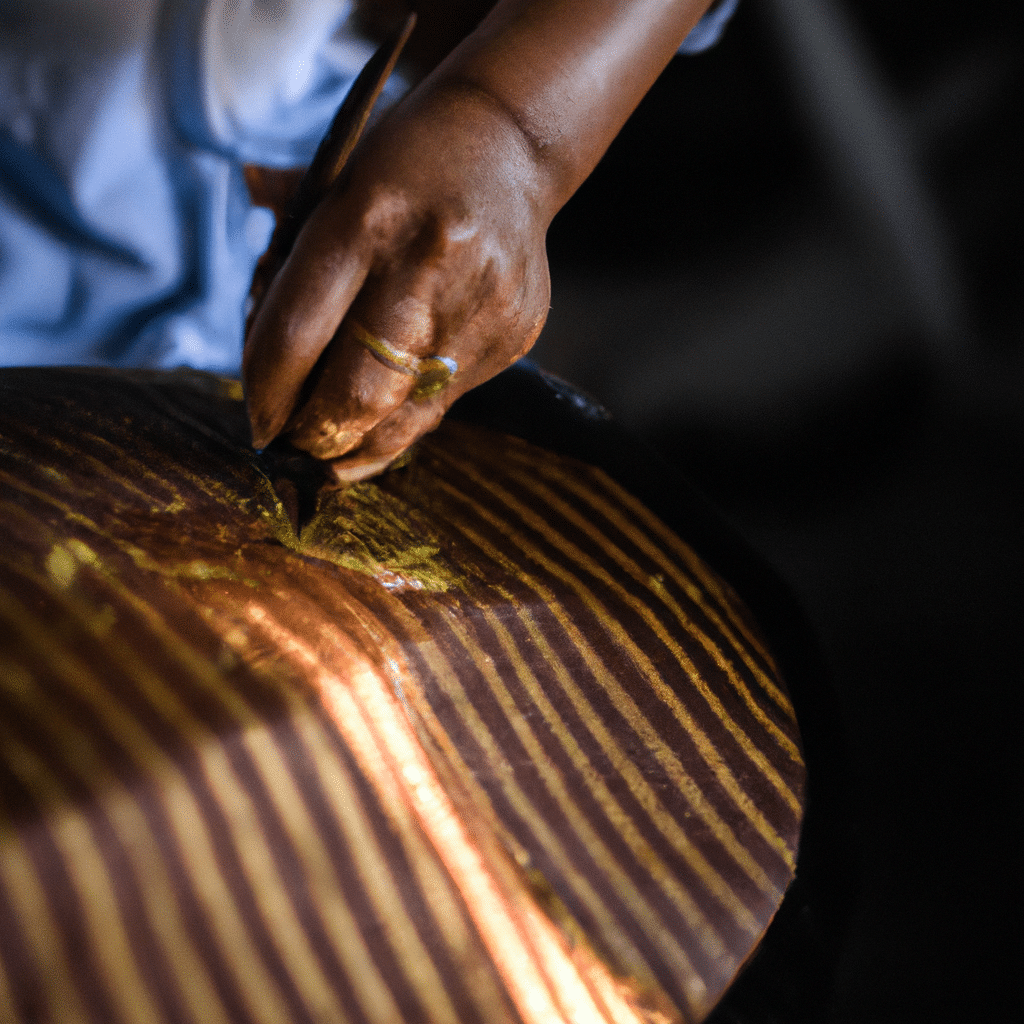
x=477, y=267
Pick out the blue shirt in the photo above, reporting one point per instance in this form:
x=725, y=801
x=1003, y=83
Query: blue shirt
x=126, y=232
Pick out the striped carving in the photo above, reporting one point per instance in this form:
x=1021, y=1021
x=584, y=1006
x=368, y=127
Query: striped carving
x=485, y=742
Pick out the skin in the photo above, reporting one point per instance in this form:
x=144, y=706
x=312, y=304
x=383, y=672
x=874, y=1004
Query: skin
x=436, y=243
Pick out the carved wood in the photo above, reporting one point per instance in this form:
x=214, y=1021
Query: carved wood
x=485, y=741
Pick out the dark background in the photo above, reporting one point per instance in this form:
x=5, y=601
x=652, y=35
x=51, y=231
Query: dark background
x=798, y=272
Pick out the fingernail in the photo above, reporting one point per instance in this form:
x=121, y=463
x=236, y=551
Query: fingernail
x=328, y=441
x=261, y=435
x=351, y=474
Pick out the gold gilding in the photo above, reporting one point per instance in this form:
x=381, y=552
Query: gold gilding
x=374, y=531
x=363, y=528
x=517, y=738
x=61, y=566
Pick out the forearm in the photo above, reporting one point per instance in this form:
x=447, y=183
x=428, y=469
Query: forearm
x=568, y=73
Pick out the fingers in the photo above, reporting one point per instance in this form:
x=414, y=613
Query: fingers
x=413, y=342
x=384, y=410
x=354, y=391
x=371, y=371
x=304, y=305
x=387, y=442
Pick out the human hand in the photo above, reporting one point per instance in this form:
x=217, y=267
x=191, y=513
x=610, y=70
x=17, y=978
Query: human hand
x=433, y=246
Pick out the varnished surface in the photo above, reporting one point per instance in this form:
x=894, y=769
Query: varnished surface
x=485, y=742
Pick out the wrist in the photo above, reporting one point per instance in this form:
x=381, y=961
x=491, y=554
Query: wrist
x=493, y=144
x=568, y=73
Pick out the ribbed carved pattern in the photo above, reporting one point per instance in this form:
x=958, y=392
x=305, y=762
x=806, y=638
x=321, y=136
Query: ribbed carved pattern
x=484, y=741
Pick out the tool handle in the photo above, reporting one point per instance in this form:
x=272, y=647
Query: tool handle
x=330, y=159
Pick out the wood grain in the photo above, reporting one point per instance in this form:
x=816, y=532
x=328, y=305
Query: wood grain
x=486, y=741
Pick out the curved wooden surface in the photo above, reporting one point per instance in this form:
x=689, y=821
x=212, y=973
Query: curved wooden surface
x=485, y=742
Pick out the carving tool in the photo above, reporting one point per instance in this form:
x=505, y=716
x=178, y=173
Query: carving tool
x=296, y=476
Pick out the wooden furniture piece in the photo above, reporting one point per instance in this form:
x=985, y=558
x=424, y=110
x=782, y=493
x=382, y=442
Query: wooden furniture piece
x=485, y=741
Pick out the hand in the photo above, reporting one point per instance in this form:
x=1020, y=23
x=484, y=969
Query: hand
x=432, y=247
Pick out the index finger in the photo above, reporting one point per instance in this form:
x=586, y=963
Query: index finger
x=268, y=415
x=304, y=305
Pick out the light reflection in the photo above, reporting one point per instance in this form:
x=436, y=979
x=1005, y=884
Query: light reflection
x=546, y=981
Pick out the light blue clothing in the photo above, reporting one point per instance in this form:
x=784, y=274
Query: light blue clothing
x=126, y=232
x=709, y=29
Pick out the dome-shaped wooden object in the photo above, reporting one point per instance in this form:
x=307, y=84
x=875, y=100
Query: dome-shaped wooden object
x=484, y=742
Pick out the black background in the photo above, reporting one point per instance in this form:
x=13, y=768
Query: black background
x=736, y=287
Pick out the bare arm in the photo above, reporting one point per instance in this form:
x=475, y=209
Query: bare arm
x=436, y=245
